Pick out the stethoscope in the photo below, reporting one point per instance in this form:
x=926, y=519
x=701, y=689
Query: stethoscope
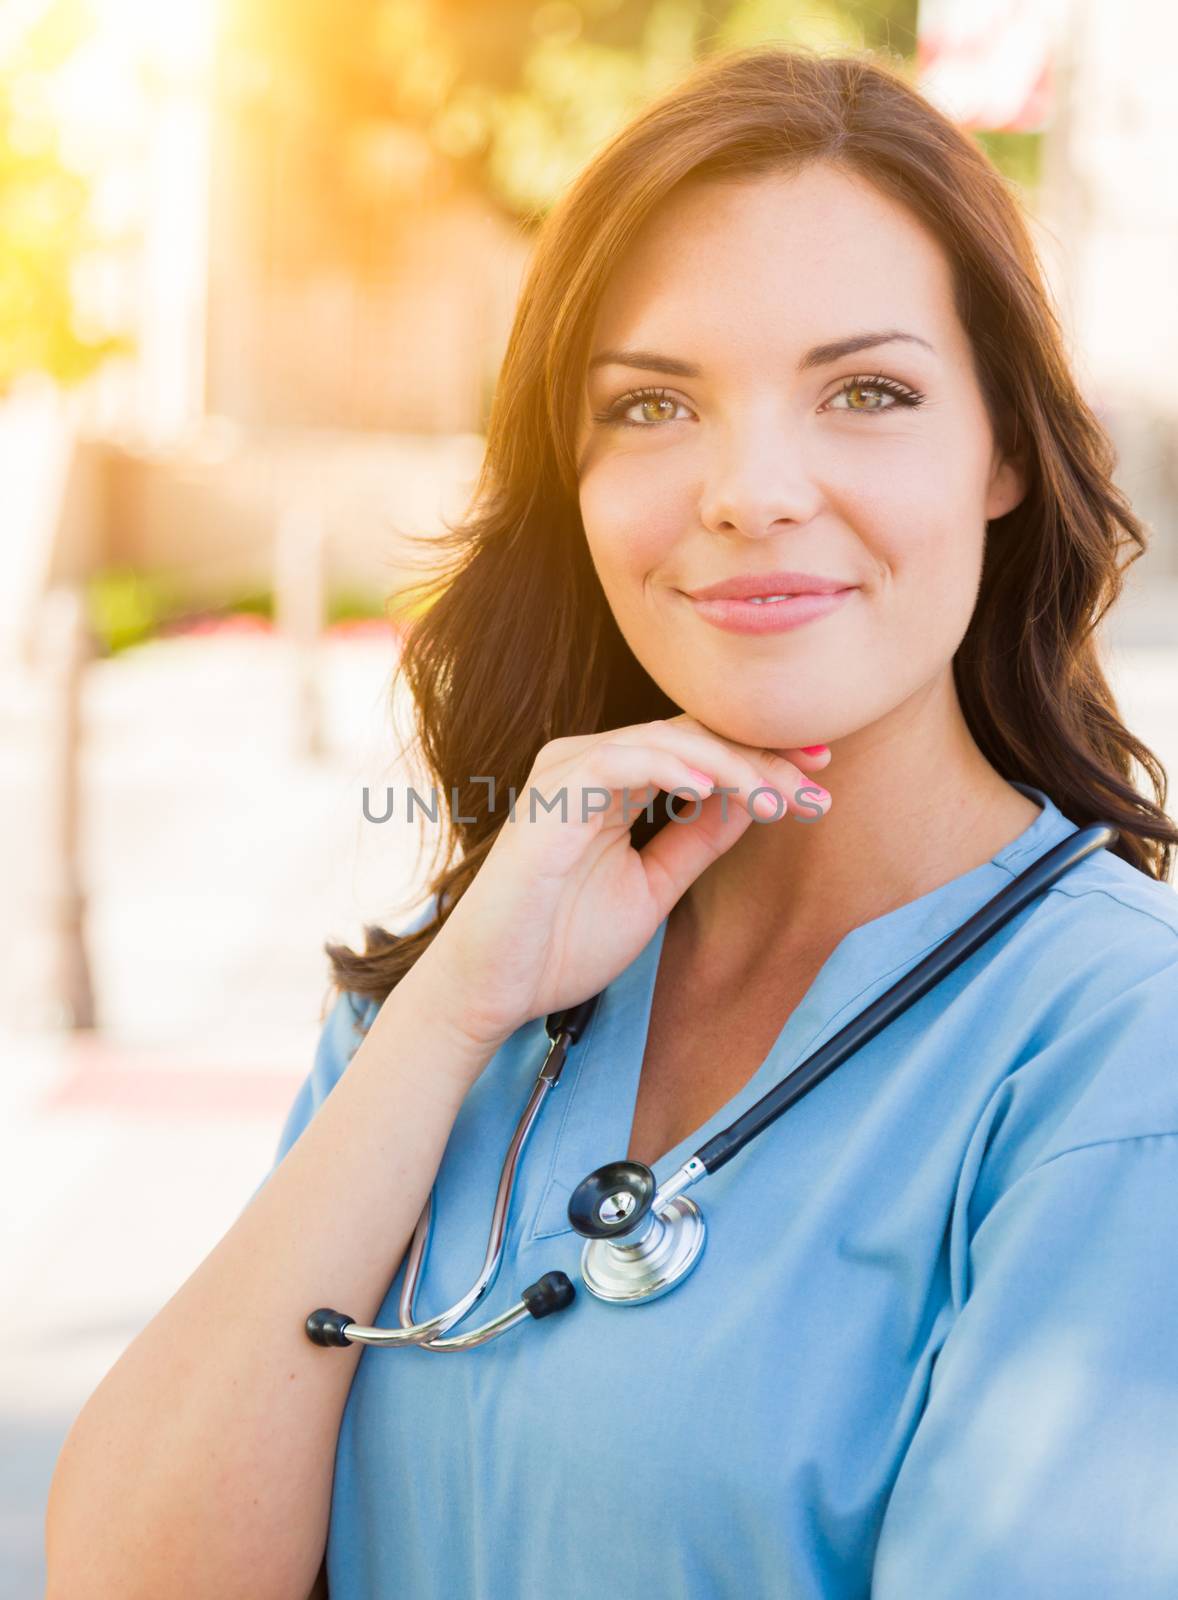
x=639, y=1243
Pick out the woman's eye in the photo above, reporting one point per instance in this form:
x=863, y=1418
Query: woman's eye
x=657, y=405
x=873, y=394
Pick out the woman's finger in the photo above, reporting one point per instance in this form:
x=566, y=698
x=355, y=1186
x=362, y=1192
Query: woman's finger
x=737, y=768
x=808, y=756
x=611, y=777
x=785, y=772
x=683, y=848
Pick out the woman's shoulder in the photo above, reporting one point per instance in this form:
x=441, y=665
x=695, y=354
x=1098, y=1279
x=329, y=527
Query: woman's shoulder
x=1108, y=892
x=1106, y=946
x=1093, y=976
x=343, y=1023
x=349, y=1015
x=1100, y=930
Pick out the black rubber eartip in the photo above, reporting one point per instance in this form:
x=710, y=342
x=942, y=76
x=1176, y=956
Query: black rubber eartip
x=550, y=1293
x=326, y=1327
x=632, y=1180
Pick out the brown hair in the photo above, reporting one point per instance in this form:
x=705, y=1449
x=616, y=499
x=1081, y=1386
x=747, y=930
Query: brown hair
x=520, y=646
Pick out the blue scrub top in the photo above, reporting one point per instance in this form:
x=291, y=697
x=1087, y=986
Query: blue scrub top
x=931, y=1347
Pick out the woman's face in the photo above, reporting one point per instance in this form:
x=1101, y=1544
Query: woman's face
x=774, y=446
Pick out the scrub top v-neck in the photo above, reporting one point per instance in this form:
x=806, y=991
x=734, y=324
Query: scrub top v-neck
x=911, y=1305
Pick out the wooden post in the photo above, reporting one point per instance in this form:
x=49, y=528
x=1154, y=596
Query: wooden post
x=299, y=604
x=67, y=647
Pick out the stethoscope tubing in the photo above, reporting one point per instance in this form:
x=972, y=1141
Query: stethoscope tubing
x=492, y=1261
x=429, y=1334
x=925, y=975
x=565, y=1027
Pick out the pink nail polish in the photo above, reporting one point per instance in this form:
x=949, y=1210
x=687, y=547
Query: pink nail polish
x=702, y=778
x=813, y=749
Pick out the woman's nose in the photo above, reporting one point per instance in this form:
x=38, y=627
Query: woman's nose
x=757, y=482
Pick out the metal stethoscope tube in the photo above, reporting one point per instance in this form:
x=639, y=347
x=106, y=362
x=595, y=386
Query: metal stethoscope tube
x=641, y=1242
x=419, y=1248
x=546, y=1295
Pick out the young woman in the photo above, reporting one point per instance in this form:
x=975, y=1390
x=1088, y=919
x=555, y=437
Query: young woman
x=785, y=337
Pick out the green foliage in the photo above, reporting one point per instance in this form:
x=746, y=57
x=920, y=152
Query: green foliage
x=511, y=98
x=352, y=605
x=1017, y=155
x=43, y=210
x=125, y=607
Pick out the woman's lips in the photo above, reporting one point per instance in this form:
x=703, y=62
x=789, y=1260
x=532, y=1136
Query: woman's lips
x=768, y=616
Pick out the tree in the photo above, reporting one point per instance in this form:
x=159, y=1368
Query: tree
x=44, y=227
x=510, y=99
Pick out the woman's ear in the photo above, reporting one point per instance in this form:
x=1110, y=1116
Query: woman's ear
x=1008, y=486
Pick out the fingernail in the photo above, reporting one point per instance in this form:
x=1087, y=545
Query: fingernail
x=702, y=778
x=813, y=749
x=818, y=793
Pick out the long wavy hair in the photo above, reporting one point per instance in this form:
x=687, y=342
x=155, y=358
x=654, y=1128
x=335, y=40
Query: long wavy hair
x=520, y=646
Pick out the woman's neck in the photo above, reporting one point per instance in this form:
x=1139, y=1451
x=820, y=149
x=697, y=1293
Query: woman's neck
x=915, y=804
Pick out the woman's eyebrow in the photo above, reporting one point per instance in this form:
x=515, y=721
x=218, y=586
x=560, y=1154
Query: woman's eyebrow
x=820, y=356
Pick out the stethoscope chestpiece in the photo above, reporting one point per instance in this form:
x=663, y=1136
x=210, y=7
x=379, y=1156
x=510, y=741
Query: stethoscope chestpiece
x=613, y=1200
x=633, y=1252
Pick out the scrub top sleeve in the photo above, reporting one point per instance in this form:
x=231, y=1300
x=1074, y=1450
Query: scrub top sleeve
x=1046, y=1459
x=339, y=1039
x=346, y=1024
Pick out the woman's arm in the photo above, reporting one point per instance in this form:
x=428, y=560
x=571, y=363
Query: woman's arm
x=202, y=1464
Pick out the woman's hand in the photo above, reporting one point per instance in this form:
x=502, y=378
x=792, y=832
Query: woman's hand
x=564, y=902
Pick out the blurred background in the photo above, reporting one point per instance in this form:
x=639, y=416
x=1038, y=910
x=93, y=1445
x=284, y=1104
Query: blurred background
x=258, y=265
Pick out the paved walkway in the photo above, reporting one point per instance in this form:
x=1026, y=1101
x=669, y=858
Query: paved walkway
x=219, y=863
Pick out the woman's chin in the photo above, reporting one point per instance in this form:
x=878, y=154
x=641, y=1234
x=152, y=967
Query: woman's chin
x=776, y=716
x=762, y=736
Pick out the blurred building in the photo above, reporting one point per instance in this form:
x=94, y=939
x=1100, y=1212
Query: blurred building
x=314, y=327
x=1094, y=80
x=1110, y=213
x=319, y=316
x=408, y=338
